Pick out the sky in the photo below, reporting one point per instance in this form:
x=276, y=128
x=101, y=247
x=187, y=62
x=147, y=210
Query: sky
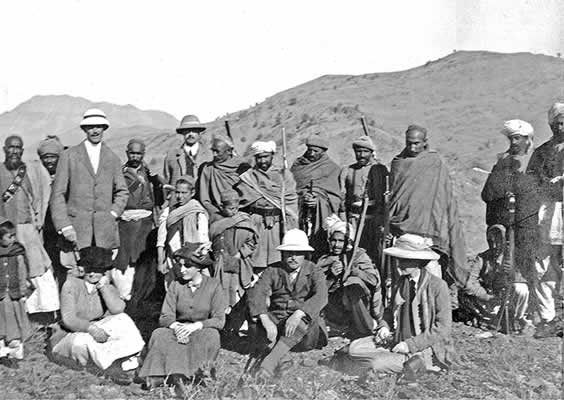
x=213, y=57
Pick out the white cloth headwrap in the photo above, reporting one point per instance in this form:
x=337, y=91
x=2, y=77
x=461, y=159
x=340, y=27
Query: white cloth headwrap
x=517, y=127
x=556, y=110
x=334, y=224
x=263, y=147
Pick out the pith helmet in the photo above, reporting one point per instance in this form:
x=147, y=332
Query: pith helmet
x=94, y=116
x=295, y=240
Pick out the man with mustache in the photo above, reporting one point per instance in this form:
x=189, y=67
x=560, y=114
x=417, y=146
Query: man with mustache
x=136, y=222
x=49, y=151
x=366, y=176
x=89, y=192
x=319, y=190
x=286, y=302
x=183, y=161
x=24, y=188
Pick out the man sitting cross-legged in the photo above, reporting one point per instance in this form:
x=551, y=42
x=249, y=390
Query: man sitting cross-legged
x=419, y=315
x=286, y=302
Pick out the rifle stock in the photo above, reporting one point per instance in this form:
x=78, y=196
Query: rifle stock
x=358, y=234
x=508, y=254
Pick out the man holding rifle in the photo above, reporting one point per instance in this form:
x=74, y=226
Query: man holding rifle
x=261, y=197
x=319, y=192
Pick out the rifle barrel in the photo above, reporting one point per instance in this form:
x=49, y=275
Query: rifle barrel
x=364, y=126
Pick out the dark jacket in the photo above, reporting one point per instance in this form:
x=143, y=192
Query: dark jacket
x=13, y=273
x=309, y=293
x=177, y=164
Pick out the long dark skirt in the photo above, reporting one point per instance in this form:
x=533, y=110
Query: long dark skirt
x=166, y=356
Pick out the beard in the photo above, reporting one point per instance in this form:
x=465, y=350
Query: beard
x=134, y=163
x=13, y=165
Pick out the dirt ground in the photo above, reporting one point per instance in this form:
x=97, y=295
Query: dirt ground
x=500, y=367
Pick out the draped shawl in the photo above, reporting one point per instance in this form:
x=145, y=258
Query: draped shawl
x=423, y=203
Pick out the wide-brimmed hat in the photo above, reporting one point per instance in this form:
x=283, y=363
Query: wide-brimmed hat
x=95, y=259
x=295, y=240
x=190, y=123
x=412, y=247
x=195, y=253
x=94, y=116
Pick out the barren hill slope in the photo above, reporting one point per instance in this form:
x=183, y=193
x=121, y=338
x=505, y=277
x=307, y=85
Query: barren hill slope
x=462, y=99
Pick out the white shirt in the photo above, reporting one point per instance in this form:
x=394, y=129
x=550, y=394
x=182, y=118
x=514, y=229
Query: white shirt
x=192, y=150
x=93, y=151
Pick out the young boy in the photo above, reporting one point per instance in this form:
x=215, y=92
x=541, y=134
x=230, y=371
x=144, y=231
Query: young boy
x=14, y=286
x=184, y=221
x=234, y=240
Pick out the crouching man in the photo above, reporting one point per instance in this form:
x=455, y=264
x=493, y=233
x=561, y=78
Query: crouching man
x=414, y=336
x=286, y=302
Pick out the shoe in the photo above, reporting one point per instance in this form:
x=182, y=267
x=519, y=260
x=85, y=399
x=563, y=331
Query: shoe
x=527, y=330
x=264, y=376
x=9, y=362
x=546, y=330
x=412, y=368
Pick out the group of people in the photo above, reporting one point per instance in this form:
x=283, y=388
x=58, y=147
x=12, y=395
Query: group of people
x=377, y=253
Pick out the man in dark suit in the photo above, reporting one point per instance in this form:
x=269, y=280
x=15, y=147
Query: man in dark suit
x=89, y=192
x=183, y=161
x=286, y=302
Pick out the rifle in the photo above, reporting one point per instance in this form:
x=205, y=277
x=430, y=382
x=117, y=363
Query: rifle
x=307, y=219
x=385, y=263
x=364, y=126
x=357, y=235
x=509, y=252
x=283, y=185
x=228, y=131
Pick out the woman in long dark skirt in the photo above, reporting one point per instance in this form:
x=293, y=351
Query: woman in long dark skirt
x=192, y=314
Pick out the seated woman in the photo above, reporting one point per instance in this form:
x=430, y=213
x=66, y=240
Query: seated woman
x=192, y=314
x=93, y=326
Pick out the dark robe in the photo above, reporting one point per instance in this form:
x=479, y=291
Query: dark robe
x=423, y=203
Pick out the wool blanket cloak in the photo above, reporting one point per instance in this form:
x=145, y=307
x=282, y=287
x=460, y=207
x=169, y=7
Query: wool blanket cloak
x=325, y=176
x=423, y=203
x=215, y=178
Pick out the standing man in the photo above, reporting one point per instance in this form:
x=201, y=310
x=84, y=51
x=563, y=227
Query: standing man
x=547, y=167
x=319, y=192
x=218, y=175
x=49, y=151
x=509, y=176
x=184, y=160
x=136, y=222
x=25, y=195
x=261, y=189
x=423, y=203
x=89, y=193
x=365, y=177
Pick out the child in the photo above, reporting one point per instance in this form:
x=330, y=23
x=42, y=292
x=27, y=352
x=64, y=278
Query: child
x=14, y=324
x=234, y=240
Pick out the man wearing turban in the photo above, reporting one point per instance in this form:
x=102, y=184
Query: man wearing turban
x=49, y=151
x=352, y=281
x=547, y=167
x=509, y=176
x=319, y=189
x=365, y=177
x=261, y=197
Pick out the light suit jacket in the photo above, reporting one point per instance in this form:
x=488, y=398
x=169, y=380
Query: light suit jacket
x=84, y=199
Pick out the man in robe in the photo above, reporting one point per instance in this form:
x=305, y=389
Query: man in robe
x=89, y=192
x=261, y=197
x=286, y=302
x=319, y=191
x=49, y=151
x=25, y=188
x=366, y=176
x=218, y=175
x=509, y=176
x=423, y=203
x=183, y=161
x=136, y=222
x=547, y=167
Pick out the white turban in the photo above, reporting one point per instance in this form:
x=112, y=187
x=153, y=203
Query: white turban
x=517, y=127
x=556, y=110
x=334, y=224
x=263, y=147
